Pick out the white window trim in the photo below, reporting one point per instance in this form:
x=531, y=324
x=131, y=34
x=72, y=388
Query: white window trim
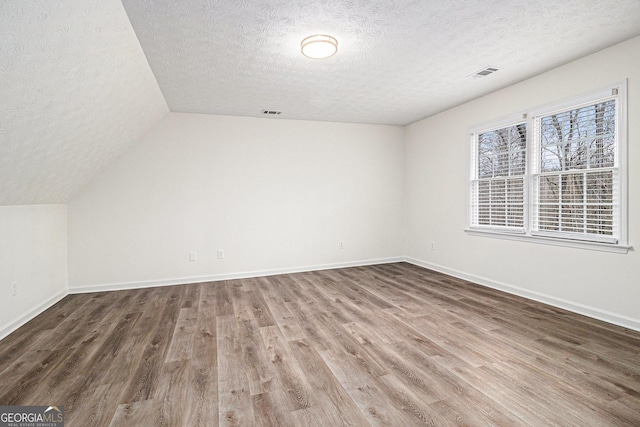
x=527, y=235
x=511, y=120
x=578, y=244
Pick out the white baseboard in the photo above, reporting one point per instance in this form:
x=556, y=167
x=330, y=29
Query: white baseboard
x=596, y=313
x=225, y=276
x=20, y=321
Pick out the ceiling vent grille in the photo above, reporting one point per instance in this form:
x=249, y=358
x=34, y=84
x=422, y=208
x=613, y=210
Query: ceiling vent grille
x=484, y=72
x=271, y=113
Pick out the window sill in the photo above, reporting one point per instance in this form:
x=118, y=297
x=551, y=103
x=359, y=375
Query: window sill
x=594, y=246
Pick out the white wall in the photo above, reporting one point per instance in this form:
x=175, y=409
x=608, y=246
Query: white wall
x=600, y=284
x=274, y=194
x=279, y=195
x=33, y=254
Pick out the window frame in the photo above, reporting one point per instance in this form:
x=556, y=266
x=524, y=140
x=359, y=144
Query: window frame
x=532, y=118
x=510, y=121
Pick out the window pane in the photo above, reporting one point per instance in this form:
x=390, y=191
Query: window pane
x=602, y=152
x=600, y=219
x=576, y=202
x=502, y=164
x=551, y=159
x=499, y=185
x=500, y=202
x=502, y=152
x=549, y=191
x=548, y=218
x=484, y=203
x=518, y=161
x=485, y=167
x=583, y=138
x=572, y=188
x=600, y=187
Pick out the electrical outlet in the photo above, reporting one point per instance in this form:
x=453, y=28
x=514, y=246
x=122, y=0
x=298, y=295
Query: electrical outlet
x=193, y=256
x=341, y=244
x=14, y=289
x=433, y=245
x=220, y=253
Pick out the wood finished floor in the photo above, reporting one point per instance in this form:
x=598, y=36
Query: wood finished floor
x=393, y=345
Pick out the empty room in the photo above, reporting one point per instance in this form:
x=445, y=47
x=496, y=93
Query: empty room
x=319, y=213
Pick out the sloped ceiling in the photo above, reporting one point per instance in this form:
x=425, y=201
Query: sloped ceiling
x=398, y=60
x=75, y=92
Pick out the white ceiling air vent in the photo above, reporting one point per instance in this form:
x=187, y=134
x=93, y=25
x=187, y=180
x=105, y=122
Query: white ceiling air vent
x=484, y=72
x=271, y=113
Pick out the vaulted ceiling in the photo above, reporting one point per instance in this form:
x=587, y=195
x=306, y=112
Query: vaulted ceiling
x=82, y=80
x=75, y=92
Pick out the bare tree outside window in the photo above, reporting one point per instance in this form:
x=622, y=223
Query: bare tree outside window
x=501, y=166
x=556, y=174
x=575, y=184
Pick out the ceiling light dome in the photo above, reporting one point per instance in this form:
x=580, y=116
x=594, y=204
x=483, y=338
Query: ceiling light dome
x=319, y=46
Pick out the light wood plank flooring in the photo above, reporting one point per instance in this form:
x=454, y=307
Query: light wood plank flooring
x=386, y=345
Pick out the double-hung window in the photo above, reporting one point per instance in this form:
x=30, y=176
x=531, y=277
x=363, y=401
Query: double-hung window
x=498, y=184
x=555, y=174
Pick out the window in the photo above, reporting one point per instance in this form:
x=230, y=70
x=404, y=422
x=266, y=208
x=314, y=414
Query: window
x=556, y=173
x=499, y=183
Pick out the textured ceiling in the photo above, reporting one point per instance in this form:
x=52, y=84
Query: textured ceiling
x=398, y=60
x=76, y=89
x=75, y=92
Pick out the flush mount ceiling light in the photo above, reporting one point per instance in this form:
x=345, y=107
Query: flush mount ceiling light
x=319, y=46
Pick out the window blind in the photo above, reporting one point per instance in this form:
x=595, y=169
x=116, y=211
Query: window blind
x=498, y=187
x=576, y=189
x=556, y=174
